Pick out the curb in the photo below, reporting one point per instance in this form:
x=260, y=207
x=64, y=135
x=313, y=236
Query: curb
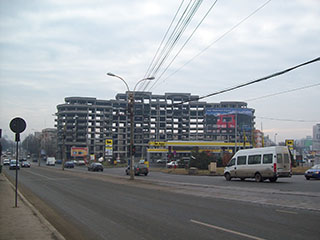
x=42, y=219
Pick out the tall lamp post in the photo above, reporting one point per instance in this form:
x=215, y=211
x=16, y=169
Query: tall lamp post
x=130, y=108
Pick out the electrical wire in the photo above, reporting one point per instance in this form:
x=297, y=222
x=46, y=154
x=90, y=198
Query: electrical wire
x=185, y=43
x=173, y=39
x=183, y=27
x=279, y=93
x=172, y=36
x=255, y=81
x=288, y=120
x=218, y=39
x=164, y=37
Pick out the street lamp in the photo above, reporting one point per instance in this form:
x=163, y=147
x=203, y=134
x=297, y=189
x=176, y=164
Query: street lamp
x=130, y=108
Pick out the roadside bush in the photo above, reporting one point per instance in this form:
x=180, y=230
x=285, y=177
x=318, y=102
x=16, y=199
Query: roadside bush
x=201, y=160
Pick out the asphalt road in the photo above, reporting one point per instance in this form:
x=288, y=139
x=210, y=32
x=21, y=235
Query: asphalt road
x=87, y=205
x=296, y=183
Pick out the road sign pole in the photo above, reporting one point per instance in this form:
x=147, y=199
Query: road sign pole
x=17, y=125
x=17, y=160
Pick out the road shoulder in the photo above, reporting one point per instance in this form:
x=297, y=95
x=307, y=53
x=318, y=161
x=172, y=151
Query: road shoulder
x=23, y=221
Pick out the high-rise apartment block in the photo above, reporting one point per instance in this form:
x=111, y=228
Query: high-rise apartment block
x=316, y=137
x=89, y=122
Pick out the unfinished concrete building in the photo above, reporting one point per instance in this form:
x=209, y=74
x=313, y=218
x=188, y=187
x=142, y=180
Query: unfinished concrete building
x=88, y=122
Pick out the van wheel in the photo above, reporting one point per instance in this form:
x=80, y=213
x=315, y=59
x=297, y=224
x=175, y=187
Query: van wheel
x=242, y=179
x=258, y=177
x=307, y=178
x=227, y=176
x=274, y=179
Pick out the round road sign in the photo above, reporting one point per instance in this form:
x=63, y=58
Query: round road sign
x=17, y=125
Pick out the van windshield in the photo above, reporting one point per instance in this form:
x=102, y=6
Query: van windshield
x=232, y=162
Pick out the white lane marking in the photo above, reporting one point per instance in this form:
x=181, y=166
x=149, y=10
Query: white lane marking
x=284, y=211
x=226, y=230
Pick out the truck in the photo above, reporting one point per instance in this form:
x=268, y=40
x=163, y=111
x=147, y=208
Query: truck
x=51, y=161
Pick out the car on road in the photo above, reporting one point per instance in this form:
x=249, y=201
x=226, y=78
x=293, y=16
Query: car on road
x=81, y=163
x=14, y=165
x=260, y=163
x=69, y=164
x=25, y=164
x=161, y=161
x=313, y=172
x=6, y=161
x=173, y=164
x=138, y=169
x=58, y=161
x=51, y=161
x=95, y=167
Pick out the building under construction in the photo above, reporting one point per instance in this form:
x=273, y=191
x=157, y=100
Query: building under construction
x=103, y=126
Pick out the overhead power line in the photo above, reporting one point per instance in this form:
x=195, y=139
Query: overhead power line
x=173, y=39
x=256, y=81
x=185, y=43
x=288, y=120
x=218, y=39
x=164, y=37
x=279, y=93
x=176, y=33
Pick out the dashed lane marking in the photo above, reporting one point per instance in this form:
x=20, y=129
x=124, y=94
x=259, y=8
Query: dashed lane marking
x=226, y=230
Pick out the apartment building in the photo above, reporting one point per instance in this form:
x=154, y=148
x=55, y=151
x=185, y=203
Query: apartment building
x=88, y=122
x=316, y=137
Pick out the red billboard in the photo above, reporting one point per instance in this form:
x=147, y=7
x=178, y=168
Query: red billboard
x=79, y=151
x=226, y=121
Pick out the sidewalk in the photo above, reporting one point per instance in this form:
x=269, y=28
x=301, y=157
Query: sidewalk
x=23, y=222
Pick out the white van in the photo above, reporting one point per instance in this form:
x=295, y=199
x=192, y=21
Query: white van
x=51, y=161
x=260, y=164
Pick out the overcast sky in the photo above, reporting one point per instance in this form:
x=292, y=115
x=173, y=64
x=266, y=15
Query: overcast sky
x=54, y=49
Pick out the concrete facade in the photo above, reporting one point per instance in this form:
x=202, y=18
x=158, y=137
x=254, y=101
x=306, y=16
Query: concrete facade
x=316, y=137
x=89, y=122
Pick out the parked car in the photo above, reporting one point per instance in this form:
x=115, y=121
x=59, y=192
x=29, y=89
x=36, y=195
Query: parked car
x=313, y=172
x=161, y=161
x=81, y=163
x=25, y=164
x=173, y=164
x=14, y=165
x=6, y=162
x=58, y=161
x=138, y=169
x=95, y=167
x=69, y=164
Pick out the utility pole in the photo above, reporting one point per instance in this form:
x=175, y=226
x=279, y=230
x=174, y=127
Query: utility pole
x=63, y=147
x=131, y=112
x=131, y=107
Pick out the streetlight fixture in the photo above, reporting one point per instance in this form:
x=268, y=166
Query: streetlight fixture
x=130, y=108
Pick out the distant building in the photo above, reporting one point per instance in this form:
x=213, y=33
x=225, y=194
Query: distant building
x=48, y=141
x=96, y=124
x=305, y=143
x=316, y=138
x=268, y=142
x=258, y=138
